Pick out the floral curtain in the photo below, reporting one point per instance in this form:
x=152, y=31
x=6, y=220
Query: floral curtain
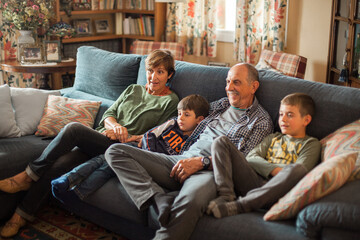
x=194, y=24
x=8, y=50
x=259, y=24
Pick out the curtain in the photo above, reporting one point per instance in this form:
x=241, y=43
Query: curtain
x=8, y=51
x=259, y=24
x=194, y=24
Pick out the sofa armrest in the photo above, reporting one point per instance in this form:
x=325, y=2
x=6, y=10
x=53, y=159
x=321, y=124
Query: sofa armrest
x=340, y=209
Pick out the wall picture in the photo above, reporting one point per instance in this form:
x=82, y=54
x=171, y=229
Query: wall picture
x=83, y=26
x=102, y=26
x=52, y=51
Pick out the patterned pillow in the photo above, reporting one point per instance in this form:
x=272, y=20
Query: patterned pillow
x=343, y=140
x=325, y=178
x=60, y=111
x=263, y=64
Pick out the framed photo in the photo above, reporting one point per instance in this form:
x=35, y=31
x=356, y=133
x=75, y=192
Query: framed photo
x=102, y=26
x=52, y=51
x=218, y=64
x=83, y=26
x=31, y=53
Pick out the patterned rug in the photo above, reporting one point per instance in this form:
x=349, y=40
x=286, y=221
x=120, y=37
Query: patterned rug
x=53, y=223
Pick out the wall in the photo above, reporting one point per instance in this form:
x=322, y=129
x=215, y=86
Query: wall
x=308, y=36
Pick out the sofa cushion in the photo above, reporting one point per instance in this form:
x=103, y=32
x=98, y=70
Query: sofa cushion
x=340, y=209
x=16, y=153
x=327, y=97
x=29, y=105
x=104, y=74
x=8, y=127
x=60, y=111
x=322, y=180
x=343, y=140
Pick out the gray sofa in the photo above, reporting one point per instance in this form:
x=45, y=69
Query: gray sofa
x=102, y=75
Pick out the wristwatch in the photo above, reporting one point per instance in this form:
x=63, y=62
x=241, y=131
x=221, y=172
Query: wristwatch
x=205, y=162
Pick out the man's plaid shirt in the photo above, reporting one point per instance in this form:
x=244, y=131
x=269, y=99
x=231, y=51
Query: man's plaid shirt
x=250, y=130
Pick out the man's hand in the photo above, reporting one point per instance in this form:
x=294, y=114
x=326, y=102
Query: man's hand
x=185, y=168
x=275, y=171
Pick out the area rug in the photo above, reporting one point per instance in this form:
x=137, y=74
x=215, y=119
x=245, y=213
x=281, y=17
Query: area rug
x=53, y=223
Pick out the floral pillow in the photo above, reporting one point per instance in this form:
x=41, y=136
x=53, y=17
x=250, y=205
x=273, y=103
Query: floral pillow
x=343, y=140
x=60, y=111
x=325, y=178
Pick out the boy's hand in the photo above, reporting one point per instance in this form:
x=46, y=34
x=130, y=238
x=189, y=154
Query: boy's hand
x=185, y=168
x=135, y=138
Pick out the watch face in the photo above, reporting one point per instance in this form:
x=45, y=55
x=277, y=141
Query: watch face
x=206, y=160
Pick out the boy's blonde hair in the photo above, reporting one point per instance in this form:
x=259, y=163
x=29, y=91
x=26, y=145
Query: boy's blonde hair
x=196, y=103
x=161, y=57
x=305, y=103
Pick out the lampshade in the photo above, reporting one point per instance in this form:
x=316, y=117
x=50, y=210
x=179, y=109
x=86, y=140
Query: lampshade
x=169, y=1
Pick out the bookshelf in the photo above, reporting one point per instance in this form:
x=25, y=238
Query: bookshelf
x=114, y=17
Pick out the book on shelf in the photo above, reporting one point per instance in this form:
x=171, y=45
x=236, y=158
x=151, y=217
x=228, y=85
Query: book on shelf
x=119, y=4
x=101, y=4
x=126, y=25
x=94, y=4
x=118, y=23
x=143, y=25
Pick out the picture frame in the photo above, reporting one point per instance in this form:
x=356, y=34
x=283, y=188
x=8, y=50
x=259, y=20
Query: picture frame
x=83, y=26
x=102, y=26
x=31, y=53
x=52, y=51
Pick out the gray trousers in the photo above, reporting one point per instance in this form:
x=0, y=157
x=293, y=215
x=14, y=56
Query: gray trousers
x=235, y=177
x=144, y=173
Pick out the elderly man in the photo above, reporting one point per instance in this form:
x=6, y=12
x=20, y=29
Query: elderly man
x=144, y=174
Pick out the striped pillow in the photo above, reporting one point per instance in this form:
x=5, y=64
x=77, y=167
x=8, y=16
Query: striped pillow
x=343, y=140
x=325, y=178
x=60, y=111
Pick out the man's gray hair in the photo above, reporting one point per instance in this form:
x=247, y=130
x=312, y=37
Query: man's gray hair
x=253, y=74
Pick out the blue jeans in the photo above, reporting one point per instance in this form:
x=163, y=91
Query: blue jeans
x=89, y=176
x=58, y=158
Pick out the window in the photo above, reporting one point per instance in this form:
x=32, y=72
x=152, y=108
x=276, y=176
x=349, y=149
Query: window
x=226, y=20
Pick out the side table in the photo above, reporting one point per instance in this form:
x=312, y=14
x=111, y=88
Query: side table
x=43, y=69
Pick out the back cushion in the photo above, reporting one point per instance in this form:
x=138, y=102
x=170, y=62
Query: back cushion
x=105, y=74
x=336, y=106
x=191, y=78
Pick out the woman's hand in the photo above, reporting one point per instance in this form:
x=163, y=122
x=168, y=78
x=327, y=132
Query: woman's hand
x=185, y=168
x=110, y=134
x=121, y=133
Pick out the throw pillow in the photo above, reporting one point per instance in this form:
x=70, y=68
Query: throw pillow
x=325, y=178
x=8, y=127
x=60, y=111
x=29, y=105
x=343, y=140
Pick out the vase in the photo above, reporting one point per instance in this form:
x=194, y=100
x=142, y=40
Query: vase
x=25, y=37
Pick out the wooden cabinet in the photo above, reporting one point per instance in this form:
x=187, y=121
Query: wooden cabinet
x=344, y=38
x=159, y=15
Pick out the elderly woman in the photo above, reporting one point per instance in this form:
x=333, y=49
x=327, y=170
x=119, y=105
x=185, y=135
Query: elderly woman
x=138, y=109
